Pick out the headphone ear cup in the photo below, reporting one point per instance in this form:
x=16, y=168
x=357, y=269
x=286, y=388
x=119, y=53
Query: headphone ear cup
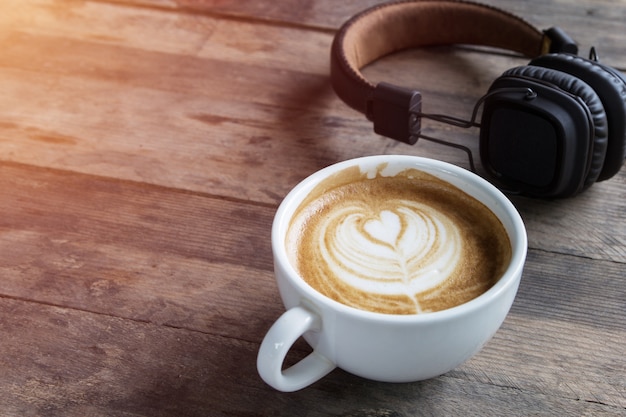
x=610, y=85
x=578, y=88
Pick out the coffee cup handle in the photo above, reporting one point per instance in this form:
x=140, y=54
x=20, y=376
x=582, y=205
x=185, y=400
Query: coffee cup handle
x=277, y=342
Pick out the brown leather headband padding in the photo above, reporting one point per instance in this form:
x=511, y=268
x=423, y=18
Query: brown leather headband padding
x=392, y=27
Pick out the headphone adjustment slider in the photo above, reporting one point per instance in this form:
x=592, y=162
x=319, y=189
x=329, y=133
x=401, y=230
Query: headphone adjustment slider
x=559, y=41
x=393, y=110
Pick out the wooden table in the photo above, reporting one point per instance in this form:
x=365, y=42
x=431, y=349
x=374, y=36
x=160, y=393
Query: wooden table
x=144, y=148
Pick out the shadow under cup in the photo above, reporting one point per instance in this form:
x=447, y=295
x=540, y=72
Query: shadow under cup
x=384, y=347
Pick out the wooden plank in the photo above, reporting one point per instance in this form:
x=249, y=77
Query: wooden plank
x=80, y=364
x=96, y=225
x=565, y=333
x=203, y=139
x=242, y=114
x=574, y=226
x=197, y=135
x=246, y=107
x=200, y=263
x=84, y=364
x=129, y=250
x=591, y=23
x=187, y=34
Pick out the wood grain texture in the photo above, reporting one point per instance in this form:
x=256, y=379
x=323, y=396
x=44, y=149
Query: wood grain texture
x=144, y=148
x=590, y=23
x=83, y=364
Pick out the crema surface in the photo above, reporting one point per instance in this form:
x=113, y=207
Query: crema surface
x=406, y=244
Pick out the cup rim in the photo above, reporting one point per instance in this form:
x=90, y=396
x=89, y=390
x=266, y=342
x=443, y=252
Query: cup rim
x=516, y=233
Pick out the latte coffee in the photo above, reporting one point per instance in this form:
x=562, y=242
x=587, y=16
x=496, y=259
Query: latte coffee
x=403, y=244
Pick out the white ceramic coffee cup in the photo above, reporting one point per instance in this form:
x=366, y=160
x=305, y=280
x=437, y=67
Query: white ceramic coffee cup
x=384, y=347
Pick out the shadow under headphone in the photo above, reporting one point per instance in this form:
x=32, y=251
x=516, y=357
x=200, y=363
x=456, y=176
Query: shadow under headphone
x=548, y=129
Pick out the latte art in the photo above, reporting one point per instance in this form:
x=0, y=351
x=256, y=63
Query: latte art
x=405, y=244
x=407, y=248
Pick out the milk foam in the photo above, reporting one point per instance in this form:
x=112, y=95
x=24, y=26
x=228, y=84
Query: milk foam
x=405, y=249
x=404, y=244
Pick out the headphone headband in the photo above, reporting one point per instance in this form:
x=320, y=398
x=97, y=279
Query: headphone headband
x=548, y=129
x=395, y=26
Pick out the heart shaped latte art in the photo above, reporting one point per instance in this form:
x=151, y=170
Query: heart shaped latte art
x=405, y=248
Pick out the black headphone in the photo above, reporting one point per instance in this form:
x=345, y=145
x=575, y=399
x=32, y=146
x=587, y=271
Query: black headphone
x=549, y=129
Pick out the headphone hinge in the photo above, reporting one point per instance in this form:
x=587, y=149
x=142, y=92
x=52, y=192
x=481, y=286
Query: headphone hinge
x=558, y=41
x=393, y=110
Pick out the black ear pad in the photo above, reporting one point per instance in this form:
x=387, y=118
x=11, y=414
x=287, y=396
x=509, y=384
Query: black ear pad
x=580, y=89
x=610, y=85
